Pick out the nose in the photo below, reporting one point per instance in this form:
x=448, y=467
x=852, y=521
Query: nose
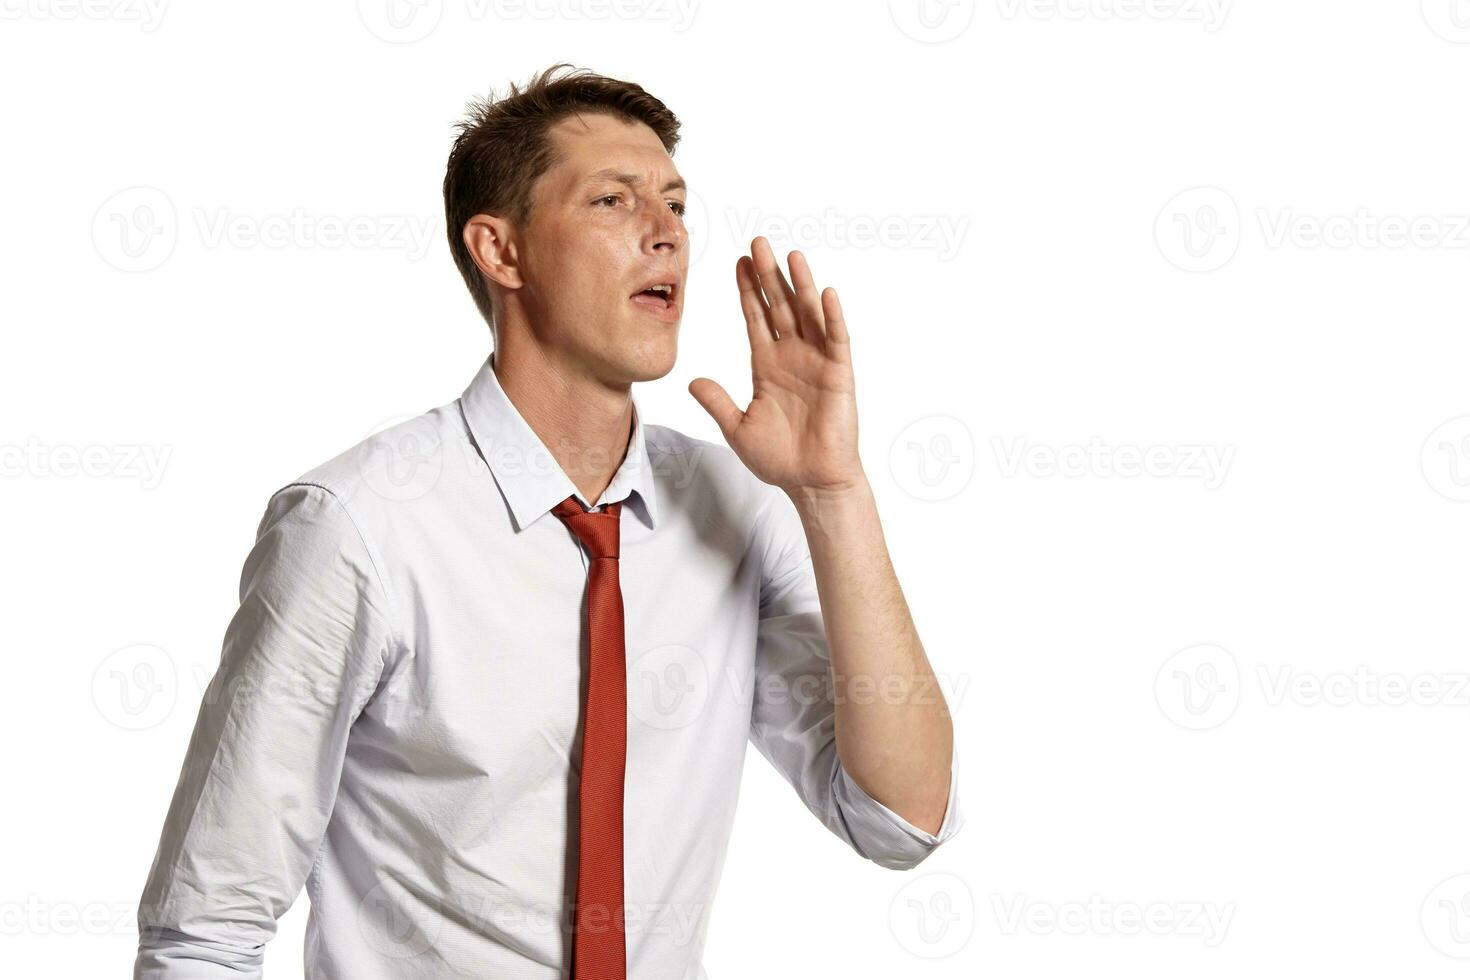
x=667, y=233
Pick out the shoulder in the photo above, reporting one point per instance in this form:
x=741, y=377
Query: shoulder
x=396, y=461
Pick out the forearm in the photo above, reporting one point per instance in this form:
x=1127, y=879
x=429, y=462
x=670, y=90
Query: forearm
x=894, y=734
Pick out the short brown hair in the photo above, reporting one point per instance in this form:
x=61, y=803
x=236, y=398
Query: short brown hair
x=503, y=148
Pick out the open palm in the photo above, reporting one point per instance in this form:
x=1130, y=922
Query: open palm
x=800, y=430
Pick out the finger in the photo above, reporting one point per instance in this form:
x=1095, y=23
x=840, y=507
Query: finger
x=808, y=302
x=839, y=343
x=757, y=323
x=719, y=404
x=778, y=295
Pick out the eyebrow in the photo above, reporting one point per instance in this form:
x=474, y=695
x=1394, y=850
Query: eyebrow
x=633, y=180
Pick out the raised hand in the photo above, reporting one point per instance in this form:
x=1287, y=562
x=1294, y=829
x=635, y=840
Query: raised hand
x=800, y=431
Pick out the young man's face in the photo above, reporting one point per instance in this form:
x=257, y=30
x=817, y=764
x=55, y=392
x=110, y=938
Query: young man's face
x=607, y=222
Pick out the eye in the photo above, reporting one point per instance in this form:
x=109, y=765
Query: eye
x=609, y=197
x=679, y=207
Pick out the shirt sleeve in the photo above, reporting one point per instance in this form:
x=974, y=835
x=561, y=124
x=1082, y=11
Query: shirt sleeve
x=793, y=715
x=300, y=659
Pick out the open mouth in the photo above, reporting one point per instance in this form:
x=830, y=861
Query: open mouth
x=658, y=297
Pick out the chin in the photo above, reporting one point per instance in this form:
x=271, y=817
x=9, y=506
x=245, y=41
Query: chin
x=647, y=362
x=654, y=368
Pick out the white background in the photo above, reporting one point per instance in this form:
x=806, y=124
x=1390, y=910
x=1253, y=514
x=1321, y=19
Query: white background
x=1212, y=716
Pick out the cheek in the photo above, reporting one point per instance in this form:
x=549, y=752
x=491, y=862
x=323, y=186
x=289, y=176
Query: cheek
x=584, y=265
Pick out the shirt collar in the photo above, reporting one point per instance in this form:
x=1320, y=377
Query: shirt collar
x=529, y=477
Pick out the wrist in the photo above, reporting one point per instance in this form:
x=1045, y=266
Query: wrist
x=820, y=501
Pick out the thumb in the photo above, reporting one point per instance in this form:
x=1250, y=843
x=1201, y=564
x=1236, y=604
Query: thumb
x=718, y=403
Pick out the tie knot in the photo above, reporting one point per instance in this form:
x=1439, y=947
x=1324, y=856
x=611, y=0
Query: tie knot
x=598, y=530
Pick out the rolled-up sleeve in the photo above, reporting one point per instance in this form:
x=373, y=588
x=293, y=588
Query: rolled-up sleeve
x=300, y=658
x=793, y=714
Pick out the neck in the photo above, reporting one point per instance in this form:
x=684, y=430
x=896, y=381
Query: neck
x=585, y=424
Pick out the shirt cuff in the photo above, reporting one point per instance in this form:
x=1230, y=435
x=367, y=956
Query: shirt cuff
x=884, y=837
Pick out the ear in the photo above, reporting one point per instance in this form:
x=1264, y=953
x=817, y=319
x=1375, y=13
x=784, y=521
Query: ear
x=489, y=241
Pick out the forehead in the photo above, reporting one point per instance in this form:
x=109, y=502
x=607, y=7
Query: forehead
x=593, y=144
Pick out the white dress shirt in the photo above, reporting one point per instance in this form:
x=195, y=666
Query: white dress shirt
x=395, y=718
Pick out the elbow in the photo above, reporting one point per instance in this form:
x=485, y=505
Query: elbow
x=883, y=836
x=902, y=859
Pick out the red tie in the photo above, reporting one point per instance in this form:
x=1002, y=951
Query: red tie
x=600, y=950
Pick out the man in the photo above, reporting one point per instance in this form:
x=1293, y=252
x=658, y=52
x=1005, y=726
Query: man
x=497, y=729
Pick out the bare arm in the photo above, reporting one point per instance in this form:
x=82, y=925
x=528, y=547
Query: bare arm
x=894, y=734
x=799, y=433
